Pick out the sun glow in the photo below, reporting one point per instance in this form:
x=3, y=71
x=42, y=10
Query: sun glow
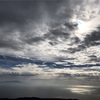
x=82, y=89
x=84, y=27
x=81, y=25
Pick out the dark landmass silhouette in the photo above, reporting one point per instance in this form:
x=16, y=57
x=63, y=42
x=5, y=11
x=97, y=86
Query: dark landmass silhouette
x=35, y=98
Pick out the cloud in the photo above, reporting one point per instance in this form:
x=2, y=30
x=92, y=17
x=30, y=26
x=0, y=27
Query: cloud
x=19, y=12
x=48, y=72
x=49, y=30
x=93, y=38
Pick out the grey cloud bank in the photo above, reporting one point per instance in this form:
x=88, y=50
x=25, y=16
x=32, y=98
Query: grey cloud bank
x=48, y=31
x=30, y=26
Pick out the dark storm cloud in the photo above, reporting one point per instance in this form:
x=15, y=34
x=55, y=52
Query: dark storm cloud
x=34, y=40
x=9, y=44
x=70, y=25
x=19, y=21
x=18, y=12
x=93, y=39
x=76, y=39
x=94, y=58
x=76, y=49
x=63, y=32
x=16, y=15
x=8, y=38
x=59, y=10
x=53, y=35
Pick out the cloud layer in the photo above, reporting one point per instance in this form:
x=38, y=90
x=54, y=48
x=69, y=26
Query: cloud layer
x=44, y=71
x=49, y=31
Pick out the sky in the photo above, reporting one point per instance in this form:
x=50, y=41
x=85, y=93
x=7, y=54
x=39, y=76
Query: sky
x=53, y=44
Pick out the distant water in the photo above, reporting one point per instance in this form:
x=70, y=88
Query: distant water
x=29, y=86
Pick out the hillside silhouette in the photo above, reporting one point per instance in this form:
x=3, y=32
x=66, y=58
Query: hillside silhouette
x=35, y=98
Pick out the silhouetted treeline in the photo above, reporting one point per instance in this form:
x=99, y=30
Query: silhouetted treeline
x=35, y=98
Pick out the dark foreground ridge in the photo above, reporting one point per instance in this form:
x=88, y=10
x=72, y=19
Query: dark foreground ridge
x=35, y=98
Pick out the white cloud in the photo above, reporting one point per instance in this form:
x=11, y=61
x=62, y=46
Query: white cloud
x=87, y=15
x=47, y=72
